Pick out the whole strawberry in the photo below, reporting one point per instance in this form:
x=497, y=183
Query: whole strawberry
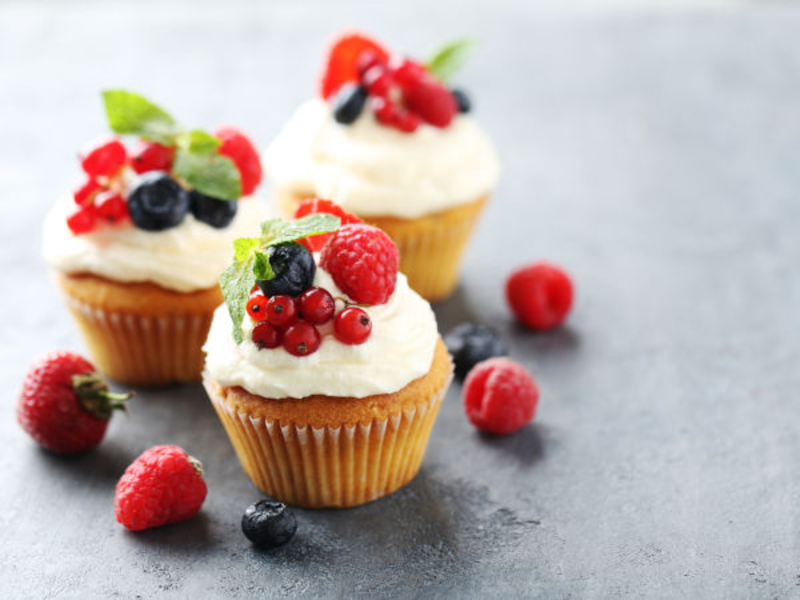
x=64, y=405
x=164, y=485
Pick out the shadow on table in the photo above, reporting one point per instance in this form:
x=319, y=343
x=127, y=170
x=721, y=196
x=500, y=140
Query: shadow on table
x=527, y=446
x=106, y=463
x=194, y=534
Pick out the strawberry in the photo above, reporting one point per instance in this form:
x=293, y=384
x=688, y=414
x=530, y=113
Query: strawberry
x=342, y=62
x=64, y=405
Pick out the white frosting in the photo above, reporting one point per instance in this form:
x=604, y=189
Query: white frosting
x=185, y=258
x=399, y=350
x=371, y=169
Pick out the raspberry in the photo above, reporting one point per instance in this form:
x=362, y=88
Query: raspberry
x=266, y=336
x=311, y=206
x=164, y=485
x=150, y=156
x=352, y=326
x=316, y=306
x=500, y=396
x=342, y=63
x=408, y=74
x=111, y=207
x=433, y=102
x=83, y=220
x=281, y=310
x=301, y=339
x=393, y=115
x=363, y=262
x=64, y=405
x=540, y=295
x=238, y=147
x=85, y=194
x=257, y=306
x=104, y=157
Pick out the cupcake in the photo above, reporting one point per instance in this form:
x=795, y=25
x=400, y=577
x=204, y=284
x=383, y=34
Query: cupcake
x=389, y=141
x=329, y=375
x=138, y=247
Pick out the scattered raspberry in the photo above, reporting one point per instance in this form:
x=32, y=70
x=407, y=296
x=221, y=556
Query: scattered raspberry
x=316, y=306
x=342, y=63
x=238, y=147
x=311, y=206
x=266, y=336
x=104, y=157
x=500, y=396
x=64, y=405
x=363, y=262
x=540, y=295
x=164, y=485
x=433, y=102
x=301, y=339
x=85, y=193
x=150, y=156
x=83, y=220
x=352, y=326
x=257, y=306
x=281, y=310
x=111, y=207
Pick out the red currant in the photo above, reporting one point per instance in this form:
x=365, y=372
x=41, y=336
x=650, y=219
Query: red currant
x=111, y=207
x=408, y=74
x=281, y=310
x=386, y=111
x=301, y=339
x=407, y=122
x=316, y=305
x=83, y=220
x=85, y=194
x=352, y=326
x=368, y=59
x=378, y=81
x=257, y=306
x=266, y=336
x=104, y=157
x=149, y=156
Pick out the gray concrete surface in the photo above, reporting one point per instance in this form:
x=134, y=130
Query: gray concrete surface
x=654, y=154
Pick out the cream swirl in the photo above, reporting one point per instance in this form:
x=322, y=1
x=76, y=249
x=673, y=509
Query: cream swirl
x=371, y=169
x=185, y=258
x=399, y=350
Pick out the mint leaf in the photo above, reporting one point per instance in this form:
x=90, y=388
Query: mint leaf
x=278, y=231
x=210, y=174
x=262, y=267
x=130, y=113
x=236, y=282
x=450, y=58
x=198, y=141
x=244, y=247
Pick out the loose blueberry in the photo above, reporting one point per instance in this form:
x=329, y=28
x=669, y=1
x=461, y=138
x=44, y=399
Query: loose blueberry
x=464, y=104
x=156, y=202
x=470, y=344
x=268, y=524
x=211, y=211
x=294, y=270
x=348, y=103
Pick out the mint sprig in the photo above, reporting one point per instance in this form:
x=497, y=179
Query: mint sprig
x=197, y=161
x=446, y=61
x=251, y=260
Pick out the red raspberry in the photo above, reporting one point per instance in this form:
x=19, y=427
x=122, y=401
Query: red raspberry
x=500, y=396
x=111, y=207
x=316, y=305
x=301, y=339
x=164, y=485
x=540, y=295
x=393, y=115
x=257, y=306
x=64, y=405
x=150, y=156
x=238, y=147
x=363, y=262
x=341, y=63
x=408, y=74
x=352, y=326
x=281, y=310
x=83, y=220
x=433, y=102
x=266, y=336
x=310, y=206
x=104, y=157
x=85, y=194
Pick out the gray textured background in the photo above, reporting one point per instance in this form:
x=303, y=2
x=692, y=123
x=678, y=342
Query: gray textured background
x=654, y=154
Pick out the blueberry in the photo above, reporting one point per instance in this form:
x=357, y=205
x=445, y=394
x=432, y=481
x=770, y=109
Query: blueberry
x=157, y=202
x=268, y=524
x=211, y=211
x=464, y=105
x=348, y=103
x=294, y=270
x=470, y=344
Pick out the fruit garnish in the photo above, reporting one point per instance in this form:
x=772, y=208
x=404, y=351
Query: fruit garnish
x=447, y=60
x=257, y=306
x=268, y=524
x=341, y=64
x=352, y=326
x=111, y=207
x=281, y=310
x=469, y=344
x=540, y=295
x=301, y=339
x=156, y=202
x=316, y=305
x=348, y=103
x=312, y=206
x=292, y=267
x=83, y=220
x=104, y=157
x=151, y=156
x=266, y=336
x=211, y=211
x=238, y=147
x=85, y=193
x=462, y=100
x=432, y=101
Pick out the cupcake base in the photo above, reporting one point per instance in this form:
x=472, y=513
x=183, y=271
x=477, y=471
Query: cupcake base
x=141, y=333
x=431, y=246
x=325, y=451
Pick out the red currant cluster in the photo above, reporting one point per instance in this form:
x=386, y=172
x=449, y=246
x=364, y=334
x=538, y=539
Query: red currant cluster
x=292, y=322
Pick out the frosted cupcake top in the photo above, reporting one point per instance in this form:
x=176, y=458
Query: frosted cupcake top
x=164, y=211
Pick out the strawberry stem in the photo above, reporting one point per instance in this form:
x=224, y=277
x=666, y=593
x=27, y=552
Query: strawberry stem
x=95, y=397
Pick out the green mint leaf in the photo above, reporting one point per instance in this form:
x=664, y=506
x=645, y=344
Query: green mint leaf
x=210, y=174
x=244, y=247
x=277, y=231
x=198, y=141
x=450, y=58
x=262, y=267
x=236, y=282
x=130, y=113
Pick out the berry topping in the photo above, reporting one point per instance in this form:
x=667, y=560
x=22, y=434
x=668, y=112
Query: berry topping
x=150, y=156
x=342, y=63
x=257, y=306
x=433, y=102
x=104, y=157
x=462, y=101
x=268, y=524
x=378, y=81
x=540, y=295
x=238, y=147
x=211, y=211
x=266, y=336
x=83, y=220
x=281, y=310
x=352, y=326
x=368, y=59
x=64, y=405
x=348, y=103
x=409, y=74
x=470, y=344
x=363, y=262
x=164, y=485
x=316, y=305
x=294, y=270
x=157, y=202
x=500, y=396
x=86, y=192
x=111, y=207
x=301, y=339
x=311, y=206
